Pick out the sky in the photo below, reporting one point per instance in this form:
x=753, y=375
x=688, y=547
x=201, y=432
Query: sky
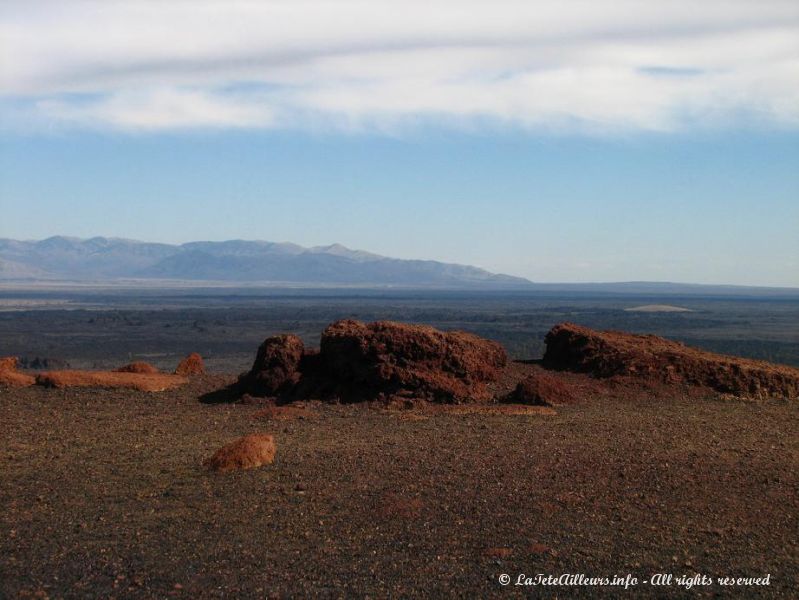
x=559, y=141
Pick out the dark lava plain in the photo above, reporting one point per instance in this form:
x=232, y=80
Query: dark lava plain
x=103, y=496
x=105, y=328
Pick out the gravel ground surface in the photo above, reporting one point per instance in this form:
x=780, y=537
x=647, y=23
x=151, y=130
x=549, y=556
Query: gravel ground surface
x=103, y=495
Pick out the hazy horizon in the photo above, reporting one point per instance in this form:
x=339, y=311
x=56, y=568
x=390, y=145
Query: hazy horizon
x=556, y=141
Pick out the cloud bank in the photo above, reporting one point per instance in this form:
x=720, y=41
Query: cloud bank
x=602, y=66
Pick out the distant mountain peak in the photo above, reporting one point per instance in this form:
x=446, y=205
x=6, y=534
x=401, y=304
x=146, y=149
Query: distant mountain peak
x=341, y=250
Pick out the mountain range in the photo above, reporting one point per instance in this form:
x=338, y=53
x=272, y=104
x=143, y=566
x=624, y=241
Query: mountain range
x=99, y=260
x=102, y=259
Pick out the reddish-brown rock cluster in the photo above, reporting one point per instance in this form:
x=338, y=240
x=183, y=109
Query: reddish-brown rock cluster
x=140, y=376
x=648, y=357
x=359, y=361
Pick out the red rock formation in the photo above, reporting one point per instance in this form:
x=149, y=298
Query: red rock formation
x=247, y=452
x=191, y=365
x=276, y=369
x=137, y=367
x=359, y=361
x=387, y=359
x=542, y=389
x=648, y=357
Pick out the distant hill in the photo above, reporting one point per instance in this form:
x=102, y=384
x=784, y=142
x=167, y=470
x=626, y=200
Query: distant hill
x=106, y=259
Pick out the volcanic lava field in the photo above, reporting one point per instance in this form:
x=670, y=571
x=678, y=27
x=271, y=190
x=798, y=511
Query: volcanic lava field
x=398, y=460
x=87, y=328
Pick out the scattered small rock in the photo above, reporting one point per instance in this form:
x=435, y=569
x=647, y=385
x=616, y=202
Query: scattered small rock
x=8, y=363
x=191, y=365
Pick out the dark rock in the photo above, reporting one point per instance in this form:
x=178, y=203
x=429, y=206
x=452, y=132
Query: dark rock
x=276, y=369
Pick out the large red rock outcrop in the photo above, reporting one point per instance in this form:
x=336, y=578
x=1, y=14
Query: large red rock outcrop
x=609, y=353
x=359, y=361
x=415, y=360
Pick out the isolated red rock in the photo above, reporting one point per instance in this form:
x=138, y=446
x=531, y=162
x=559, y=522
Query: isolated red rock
x=652, y=358
x=8, y=363
x=137, y=367
x=542, y=389
x=387, y=359
x=191, y=365
x=9, y=376
x=247, y=452
x=277, y=366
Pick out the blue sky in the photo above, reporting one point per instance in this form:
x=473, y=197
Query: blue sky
x=661, y=144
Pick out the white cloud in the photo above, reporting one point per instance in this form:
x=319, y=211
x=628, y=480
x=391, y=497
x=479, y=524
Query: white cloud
x=602, y=65
x=159, y=109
